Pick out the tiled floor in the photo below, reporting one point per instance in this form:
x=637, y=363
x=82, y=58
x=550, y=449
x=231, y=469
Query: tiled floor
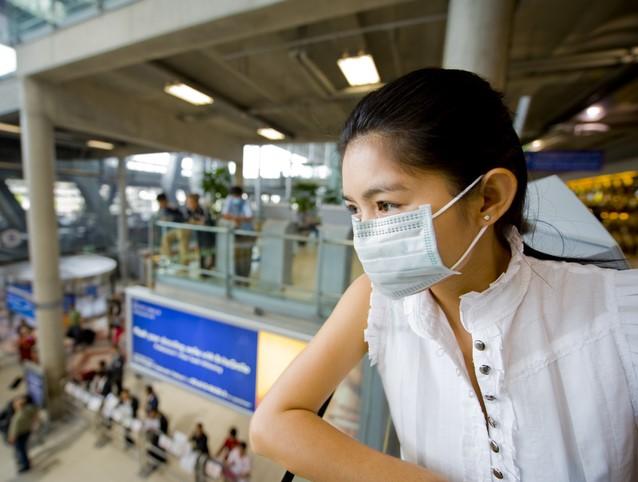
x=69, y=454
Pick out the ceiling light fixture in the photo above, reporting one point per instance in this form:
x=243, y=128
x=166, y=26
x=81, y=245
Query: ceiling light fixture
x=359, y=70
x=536, y=145
x=188, y=93
x=593, y=113
x=13, y=129
x=105, y=146
x=270, y=133
x=590, y=128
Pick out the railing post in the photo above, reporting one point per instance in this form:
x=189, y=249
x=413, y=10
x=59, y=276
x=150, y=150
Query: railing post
x=230, y=265
x=319, y=277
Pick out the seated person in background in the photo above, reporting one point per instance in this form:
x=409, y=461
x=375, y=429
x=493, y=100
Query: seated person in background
x=116, y=369
x=78, y=333
x=101, y=382
x=173, y=215
x=237, y=467
x=154, y=425
x=199, y=439
x=127, y=408
x=152, y=402
x=229, y=444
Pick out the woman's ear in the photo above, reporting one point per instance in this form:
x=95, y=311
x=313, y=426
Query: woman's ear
x=498, y=189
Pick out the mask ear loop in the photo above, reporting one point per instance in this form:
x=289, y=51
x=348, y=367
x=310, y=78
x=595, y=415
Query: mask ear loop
x=459, y=196
x=468, y=250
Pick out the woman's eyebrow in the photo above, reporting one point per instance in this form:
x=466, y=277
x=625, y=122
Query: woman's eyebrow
x=382, y=188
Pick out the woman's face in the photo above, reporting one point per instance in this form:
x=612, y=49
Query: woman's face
x=375, y=185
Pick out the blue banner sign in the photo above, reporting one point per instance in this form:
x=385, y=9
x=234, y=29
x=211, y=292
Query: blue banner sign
x=562, y=161
x=36, y=387
x=18, y=301
x=215, y=358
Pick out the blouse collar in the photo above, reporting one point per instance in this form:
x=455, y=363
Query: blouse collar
x=497, y=303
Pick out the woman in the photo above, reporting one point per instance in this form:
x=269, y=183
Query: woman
x=496, y=364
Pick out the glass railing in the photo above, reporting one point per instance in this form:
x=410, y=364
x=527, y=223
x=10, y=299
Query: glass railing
x=235, y=260
x=29, y=19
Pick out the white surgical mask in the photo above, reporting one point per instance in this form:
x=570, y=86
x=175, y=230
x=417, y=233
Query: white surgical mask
x=399, y=253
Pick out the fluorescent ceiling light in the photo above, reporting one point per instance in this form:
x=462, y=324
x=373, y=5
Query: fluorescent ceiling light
x=106, y=146
x=359, y=70
x=7, y=60
x=590, y=128
x=188, y=94
x=9, y=128
x=270, y=133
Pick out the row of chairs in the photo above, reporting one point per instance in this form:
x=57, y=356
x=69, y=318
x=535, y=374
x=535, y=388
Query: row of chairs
x=175, y=449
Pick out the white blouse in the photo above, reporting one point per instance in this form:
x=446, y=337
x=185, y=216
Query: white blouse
x=556, y=358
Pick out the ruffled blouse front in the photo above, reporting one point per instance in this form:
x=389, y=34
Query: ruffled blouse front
x=556, y=359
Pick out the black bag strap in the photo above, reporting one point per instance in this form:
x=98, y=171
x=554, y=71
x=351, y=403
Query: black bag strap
x=289, y=476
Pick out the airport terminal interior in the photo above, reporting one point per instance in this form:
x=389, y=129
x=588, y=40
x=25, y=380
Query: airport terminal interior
x=172, y=227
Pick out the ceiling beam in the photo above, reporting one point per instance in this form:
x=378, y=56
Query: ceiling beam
x=101, y=112
x=151, y=29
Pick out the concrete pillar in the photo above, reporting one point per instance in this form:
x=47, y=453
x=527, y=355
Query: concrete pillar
x=477, y=38
x=122, y=220
x=38, y=157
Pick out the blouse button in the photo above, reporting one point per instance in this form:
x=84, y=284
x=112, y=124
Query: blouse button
x=491, y=422
x=494, y=446
x=490, y=398
x=479, y=345
x=497, y=473
x=484, y=369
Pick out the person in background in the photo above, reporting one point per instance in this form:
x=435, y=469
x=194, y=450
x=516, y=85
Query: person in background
x=152, y=402
x=238, y=466
x=77, y=332
x=116, y=323
x=237, y=210
x=155, y=424
x=173, y=215
x=5, y=417
x=195, y=214
x=26, y=343
x=229, y=444
x=116, y=369
x=199, y=439
x=101, y=381
x=20, y=428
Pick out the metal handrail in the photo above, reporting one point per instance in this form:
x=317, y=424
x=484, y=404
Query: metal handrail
x=315, y=294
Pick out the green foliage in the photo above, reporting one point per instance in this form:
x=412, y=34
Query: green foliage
x=331, y=196
x=217, y=183
x=304, y=194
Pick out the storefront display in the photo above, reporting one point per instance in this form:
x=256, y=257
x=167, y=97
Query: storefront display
x=613, y=199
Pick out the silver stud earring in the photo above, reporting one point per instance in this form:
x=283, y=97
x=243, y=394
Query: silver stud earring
x=487, y=217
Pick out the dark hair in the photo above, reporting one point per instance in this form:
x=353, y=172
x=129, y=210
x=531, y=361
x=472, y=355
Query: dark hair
x=149, y=389
x=161, y=197
x=243, y=445
x=233, y=432
x=451, y=122
x=448, y=121
x=236, y=191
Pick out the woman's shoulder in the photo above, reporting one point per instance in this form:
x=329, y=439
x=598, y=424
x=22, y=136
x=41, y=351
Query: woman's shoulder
x=583, y=288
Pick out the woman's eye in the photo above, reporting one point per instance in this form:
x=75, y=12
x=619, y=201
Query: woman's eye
x=386, y=207
x=353, y=209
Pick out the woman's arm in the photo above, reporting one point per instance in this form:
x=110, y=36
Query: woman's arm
x=285, y=427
